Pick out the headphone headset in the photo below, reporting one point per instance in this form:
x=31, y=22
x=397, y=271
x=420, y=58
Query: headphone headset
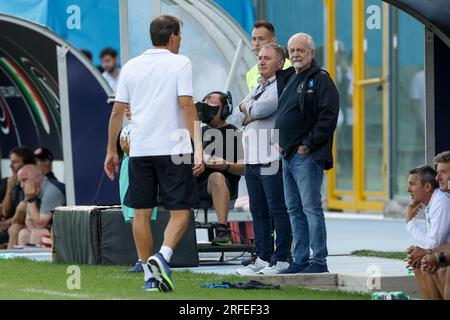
x=227, y=103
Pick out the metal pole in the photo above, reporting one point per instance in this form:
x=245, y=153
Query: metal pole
x=386, y=102
x=358, y=102
x=156, y=8
x=430, y=130
x=330, y=36
x=124, y=32
x=234, y=64
x=65, y=124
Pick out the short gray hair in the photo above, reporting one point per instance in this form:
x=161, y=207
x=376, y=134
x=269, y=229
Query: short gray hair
x=306, y=36
x=279, y=50
x=426, y=174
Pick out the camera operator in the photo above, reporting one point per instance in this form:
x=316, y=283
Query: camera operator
x=223, y=158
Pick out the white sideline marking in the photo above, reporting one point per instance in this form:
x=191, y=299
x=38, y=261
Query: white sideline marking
x=56, y=293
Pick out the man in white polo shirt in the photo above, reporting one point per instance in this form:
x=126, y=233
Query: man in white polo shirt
x=157, y=86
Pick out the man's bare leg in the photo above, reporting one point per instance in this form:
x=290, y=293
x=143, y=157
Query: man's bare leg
x=218, y=190
x=13, y=232
x=24, y=237
x=439, y=278
x=21, y=214
x=447, y=284
x=142, y=233
x=179, y=220
x=37, y=234
x=427, y=285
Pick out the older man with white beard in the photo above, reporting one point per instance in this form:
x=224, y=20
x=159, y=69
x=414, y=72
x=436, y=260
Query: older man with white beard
x=307, y=116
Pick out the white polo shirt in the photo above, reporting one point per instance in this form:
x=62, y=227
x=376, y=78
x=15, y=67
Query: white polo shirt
x=437, y=215
x=151, y=84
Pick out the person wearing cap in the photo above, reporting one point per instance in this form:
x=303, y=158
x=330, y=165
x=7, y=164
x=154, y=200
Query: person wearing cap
x=44, y=161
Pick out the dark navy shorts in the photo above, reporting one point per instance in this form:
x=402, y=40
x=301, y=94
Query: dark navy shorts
x=157, y=179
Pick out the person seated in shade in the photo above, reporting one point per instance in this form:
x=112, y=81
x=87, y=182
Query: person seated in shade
x=224, y=163
x=42, y=195
x=44, y=160
x=12, y=214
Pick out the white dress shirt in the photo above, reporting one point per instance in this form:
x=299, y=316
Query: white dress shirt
x=437, y=215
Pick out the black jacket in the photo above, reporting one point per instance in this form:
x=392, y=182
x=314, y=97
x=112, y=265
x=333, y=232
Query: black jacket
x=320, y=108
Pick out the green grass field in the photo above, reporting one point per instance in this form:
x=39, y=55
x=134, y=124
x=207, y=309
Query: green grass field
x=24, y=279
x=380, y=254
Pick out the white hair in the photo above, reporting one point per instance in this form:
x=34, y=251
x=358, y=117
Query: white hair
x=306, y=36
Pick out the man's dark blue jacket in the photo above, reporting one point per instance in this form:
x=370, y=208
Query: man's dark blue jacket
x=320, y=109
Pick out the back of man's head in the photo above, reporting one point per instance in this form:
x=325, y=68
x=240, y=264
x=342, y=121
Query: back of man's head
x=162, y=27
x=87, y=54
x=426, y=174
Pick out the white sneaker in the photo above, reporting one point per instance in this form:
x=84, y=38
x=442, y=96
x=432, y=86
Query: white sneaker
x=274, y=268
x=253, y=268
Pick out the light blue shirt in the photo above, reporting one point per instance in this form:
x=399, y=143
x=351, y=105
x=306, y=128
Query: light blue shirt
x=262, y=107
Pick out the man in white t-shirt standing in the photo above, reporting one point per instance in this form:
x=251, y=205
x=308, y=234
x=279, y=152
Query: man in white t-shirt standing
x=157, y=86
x=110, y=66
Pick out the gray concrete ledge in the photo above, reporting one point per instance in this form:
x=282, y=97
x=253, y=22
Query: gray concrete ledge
x=358, y=283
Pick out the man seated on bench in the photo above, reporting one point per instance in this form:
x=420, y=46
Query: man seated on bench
x=224, y=161
x=429, y=192
x=42, y=195
x=12, y=213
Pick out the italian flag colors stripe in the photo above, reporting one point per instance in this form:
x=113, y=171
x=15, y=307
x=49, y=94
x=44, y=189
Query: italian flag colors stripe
x=28, y=90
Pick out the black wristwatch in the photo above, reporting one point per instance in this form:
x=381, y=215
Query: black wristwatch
x=441, y=259
x=31, y=200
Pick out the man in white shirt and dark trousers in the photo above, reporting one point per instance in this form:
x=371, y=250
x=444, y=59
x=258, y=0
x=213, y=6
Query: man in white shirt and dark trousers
x=157, y=86
x=111, y=71
x=263, y=173
x=425, y=194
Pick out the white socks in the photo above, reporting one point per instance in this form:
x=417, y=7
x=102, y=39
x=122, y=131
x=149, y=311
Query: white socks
x=147, y=272
x=166, y=252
